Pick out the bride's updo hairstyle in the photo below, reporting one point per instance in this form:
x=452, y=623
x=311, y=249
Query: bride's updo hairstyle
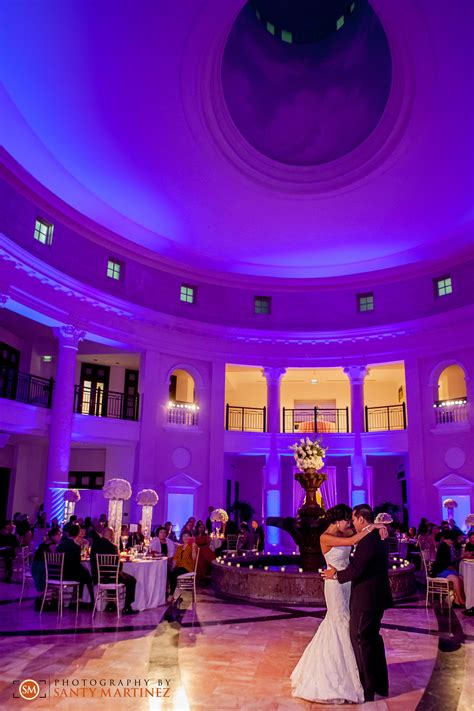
x=340, y=512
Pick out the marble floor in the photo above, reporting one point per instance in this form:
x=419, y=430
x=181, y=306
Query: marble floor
x=219, y=655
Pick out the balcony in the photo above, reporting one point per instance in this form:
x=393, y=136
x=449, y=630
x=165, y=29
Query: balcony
x=245, y=419
x=183, y=413
x=26, y=388
x=452, y=412
x=316, y=420
x=386, y=418
x=105, y=403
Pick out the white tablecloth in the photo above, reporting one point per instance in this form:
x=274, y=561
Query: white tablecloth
x=151, y=582
x=466, y=569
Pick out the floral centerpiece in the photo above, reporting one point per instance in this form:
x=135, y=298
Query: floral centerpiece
x=470, y=521
x=116, y=491
x=309, y=457
x=219, y=518
x=71, y=497
x=147, y=498
x=450, y=505
x=384, y=518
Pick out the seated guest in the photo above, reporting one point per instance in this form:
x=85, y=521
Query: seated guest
x=245, y=539
x=73, y=568
x=24, y=531
x=187, y=528
x=427, y=541
x=136, y=538
x=412, y=532
x=124, y=532
x=469, y=548
x=444, y=566
x=9, y=542
x=72, y=521
x=169, y=532
x=184, y=561
x=38, y=569
x=257, y=530
x=206, y=555
x=163, y=545
x=104, y=546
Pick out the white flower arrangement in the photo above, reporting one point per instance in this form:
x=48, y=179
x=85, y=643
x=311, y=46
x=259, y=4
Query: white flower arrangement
x=220, y=515
x=117, y=489
x=308, y=454
x=72, y=495
x=384, y=518
x=147, y=497
x=470, y=520
x=450, y=504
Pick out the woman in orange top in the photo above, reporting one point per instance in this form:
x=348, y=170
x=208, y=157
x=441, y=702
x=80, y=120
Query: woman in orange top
x=184, y=561
x=206, y=556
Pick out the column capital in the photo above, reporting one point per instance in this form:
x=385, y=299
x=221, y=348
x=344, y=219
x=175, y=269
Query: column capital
x=356, y=373
x=69, y=336
x=273, y=374
x=4, y=300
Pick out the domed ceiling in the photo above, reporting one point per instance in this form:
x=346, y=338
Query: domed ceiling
x=197, y=137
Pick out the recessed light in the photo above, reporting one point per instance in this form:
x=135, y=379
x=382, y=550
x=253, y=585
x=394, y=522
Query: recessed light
x=314, y=381
x=47, y=358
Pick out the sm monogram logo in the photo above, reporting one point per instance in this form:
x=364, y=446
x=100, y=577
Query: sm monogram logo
x=29, y=689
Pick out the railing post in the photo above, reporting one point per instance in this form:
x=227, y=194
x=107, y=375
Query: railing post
x=404, y=411
x=227, y=415
x=264, y=418
x=366, y=418
x=243, y=417
x=388, y=417
x=284, y=418
x=315, y=414
x=347, y=419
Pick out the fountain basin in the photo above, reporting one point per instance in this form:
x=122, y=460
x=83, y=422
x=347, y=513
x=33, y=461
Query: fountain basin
x=232, y=577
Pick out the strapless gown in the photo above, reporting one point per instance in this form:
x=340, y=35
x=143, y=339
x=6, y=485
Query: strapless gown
x=327, y=671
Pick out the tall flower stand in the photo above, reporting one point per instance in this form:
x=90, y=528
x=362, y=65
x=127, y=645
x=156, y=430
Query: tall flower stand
x=147, y=498
x=71, y=497
x=116, y=491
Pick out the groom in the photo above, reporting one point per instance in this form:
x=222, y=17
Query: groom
x=370, y=596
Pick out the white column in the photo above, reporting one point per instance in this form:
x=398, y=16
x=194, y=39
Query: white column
x=358, y=485
x=272, y=471
x=62, y=414
x=421, y=418
x=216, y=404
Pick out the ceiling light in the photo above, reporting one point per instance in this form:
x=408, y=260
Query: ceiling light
x=314, y=381
x=47, y=358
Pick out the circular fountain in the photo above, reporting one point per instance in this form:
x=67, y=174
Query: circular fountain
x=296, y=579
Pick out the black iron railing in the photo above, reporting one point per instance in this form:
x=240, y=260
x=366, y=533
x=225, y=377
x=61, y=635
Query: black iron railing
x=24, y=387
x=451, y=411
x=316, y=419
x=183, y=413
x=245, y=419
x=100, y=402
x=388, y=417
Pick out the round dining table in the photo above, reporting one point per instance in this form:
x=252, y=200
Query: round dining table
x=466, y=569
x=150, y=574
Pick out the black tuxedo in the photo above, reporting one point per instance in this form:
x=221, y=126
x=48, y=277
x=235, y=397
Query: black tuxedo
x=370, y=596
x=102, y=546
x=73, y=568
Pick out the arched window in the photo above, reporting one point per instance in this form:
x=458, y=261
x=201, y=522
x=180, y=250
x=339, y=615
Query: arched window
x=182, y=406
x=452, y=384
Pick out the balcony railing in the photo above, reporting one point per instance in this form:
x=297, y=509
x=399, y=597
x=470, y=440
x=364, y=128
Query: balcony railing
x=245, y=419
x=388, y=417
x=183, y=413
x=316, y=420
x=99, y=402
x=451, y=411
x=24, y=387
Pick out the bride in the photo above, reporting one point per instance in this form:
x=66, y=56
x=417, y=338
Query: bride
x=327, y=672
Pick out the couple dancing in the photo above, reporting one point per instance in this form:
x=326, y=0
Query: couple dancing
x=345, y=660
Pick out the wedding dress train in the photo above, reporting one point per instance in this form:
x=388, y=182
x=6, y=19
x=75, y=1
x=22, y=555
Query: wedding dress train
x=327, y=671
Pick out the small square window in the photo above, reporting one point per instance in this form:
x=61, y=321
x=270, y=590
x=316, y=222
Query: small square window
x=443, y=286
x=187, y=294
x=365, y=302
x=114, y=269
x=263, y=305
x=43, y=232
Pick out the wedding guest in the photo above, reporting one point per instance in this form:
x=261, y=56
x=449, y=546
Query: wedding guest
x=72, y=522
x=412, y=532
x=73, y=568
x=469, y=548
x=184, y=561
x=23, y=530
x=169, y=532
x=206, y=555
x=38, y=568
x=257, y=530
x=187, y=528
x=136, y=538
x=445, y=566
x=423, y=527
x=428, y=542
x=104, y=546
x=9, y=542
x=208, y=519
x=244, y=541
x=162, y=545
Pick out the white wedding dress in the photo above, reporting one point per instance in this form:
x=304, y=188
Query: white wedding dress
x=327, y=671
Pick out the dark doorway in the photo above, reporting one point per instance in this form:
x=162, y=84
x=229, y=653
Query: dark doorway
x=94, y=389
x=9, y=366
x=4, y=491
x=130, y=394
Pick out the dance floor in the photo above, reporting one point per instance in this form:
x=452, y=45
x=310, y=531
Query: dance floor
x=222, y=655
